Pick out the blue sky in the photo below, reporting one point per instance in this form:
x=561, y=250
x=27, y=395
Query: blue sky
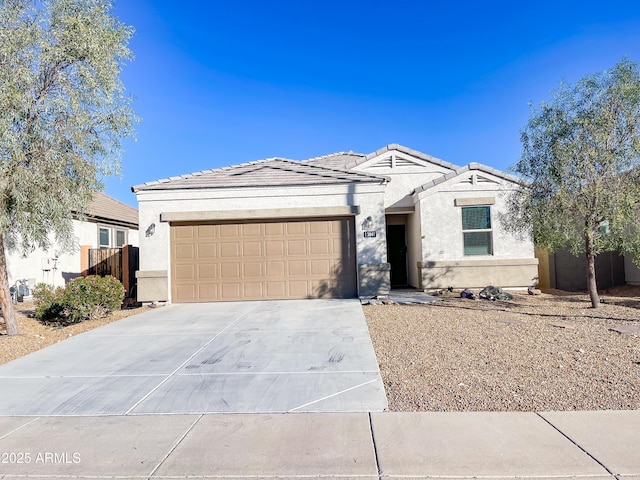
x=223, y=82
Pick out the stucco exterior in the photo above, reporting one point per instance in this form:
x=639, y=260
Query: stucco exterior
x=392, y=186
x=276, y=203
x=56, y=266
x=68, y=264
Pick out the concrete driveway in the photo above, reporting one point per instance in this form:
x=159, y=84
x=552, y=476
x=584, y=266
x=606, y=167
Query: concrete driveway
x=241, y=357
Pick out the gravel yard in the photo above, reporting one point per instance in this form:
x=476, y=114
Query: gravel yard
x=466, y=355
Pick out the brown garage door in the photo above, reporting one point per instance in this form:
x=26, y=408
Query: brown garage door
x=263, y=260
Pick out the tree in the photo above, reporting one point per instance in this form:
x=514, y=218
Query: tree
x=581, y=163
x=63, y=113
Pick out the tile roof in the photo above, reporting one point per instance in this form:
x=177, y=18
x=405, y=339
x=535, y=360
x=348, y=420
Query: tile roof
x=339, y=160
x=268, y=172
x=104, y=207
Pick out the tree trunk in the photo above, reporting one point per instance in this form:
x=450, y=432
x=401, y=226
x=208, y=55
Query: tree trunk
x=5, y=297
x=592, y=285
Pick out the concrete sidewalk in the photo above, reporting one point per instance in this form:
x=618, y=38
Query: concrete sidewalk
x=594, y=445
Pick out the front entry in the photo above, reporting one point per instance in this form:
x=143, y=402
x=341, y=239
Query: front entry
x=397, y=254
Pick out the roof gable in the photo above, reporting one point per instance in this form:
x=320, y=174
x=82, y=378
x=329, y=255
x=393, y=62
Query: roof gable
x=469, y=175
x=268, y=172
x=396, y=158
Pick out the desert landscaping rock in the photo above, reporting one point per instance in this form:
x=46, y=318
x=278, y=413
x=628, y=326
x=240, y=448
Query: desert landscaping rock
x=460, y=356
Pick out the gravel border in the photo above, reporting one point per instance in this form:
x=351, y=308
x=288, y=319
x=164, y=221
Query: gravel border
x=534, y=353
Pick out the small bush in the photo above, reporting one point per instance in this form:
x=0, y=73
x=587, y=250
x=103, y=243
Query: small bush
x=82, y=299
x=48, y=301
x=92, y=297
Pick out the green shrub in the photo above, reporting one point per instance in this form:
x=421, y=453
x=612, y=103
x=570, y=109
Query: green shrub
x=82, y=299
x=92, y=297
x=48, y=301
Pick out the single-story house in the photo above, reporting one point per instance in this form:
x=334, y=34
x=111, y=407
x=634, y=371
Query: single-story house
x=340, y=225
x=108, y=223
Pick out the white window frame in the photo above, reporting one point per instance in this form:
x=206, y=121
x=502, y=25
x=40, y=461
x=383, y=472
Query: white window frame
x=113, y=236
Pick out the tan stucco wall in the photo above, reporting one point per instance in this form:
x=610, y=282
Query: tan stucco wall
x=152, y=286
x=516, y=273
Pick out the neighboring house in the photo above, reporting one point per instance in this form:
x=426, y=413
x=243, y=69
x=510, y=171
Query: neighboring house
x=108, y=223
x=340, y=225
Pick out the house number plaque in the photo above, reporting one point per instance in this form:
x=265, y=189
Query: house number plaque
x=370, y=234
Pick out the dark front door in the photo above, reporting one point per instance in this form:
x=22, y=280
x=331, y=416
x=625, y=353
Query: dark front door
x=397, y=254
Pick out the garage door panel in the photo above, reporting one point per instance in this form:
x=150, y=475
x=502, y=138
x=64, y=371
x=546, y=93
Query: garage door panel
x=185, y=272
x=230, y=271
x=230, y=291
x=252, y=290
x=206, y=231
x=229, y=250
x=320, y=247
x=275, y=269
x=321, y=267
x=251, y=249
x=184, y=232
x=299, y=289
x=275, y=229
x=226, y=231
x=207, y=250
x=296, y=228
x=187, y=292
x=274, y=247
x=185, y=252
x=252, y=269
x=297, y=268
x=276, y=289
x=208, y=290
x=252, y=230
x=297, y=247
x=207, y=271
x=279, y=260
x=316, y=228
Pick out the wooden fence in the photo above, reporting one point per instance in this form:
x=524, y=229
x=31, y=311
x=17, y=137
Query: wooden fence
x=120, y=263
